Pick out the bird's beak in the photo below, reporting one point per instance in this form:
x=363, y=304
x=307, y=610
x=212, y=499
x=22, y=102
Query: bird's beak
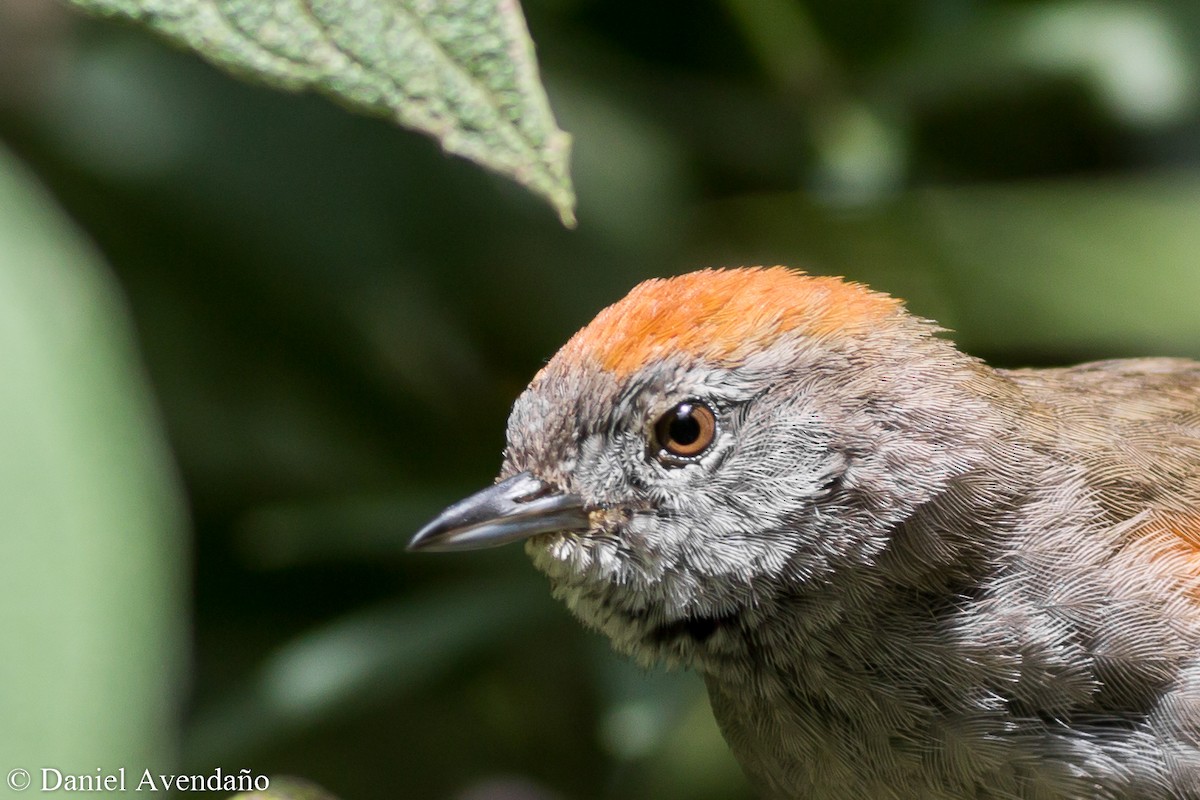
x=512, y=510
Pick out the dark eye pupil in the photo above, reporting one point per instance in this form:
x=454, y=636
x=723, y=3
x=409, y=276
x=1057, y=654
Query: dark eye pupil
x=684, y=428
x=684, y=433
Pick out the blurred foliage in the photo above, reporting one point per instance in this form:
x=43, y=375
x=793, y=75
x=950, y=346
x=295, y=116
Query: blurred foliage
x=335, y=318
x=288, y=789
x=91, y=601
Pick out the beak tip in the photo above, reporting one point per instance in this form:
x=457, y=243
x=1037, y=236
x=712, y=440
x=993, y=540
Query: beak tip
x=512, y=510
x=421, y=539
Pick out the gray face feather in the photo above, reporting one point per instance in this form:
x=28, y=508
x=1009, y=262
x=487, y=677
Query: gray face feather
x=899, y=571
x=798, y=486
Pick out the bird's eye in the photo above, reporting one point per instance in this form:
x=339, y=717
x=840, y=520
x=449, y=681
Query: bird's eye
x=686, y=431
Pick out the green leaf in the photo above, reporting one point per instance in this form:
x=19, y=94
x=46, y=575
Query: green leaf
x=91, y=526
x=461, y=71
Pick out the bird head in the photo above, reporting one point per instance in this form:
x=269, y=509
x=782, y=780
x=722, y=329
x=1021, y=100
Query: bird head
x=719, y=444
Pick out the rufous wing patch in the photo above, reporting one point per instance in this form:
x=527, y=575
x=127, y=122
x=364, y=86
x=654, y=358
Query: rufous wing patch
x=721, y=315
x=1168, y=543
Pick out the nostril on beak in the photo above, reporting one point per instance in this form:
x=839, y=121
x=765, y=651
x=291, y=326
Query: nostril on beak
x=537, y=493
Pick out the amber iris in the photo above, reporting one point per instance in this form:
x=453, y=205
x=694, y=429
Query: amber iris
x=686, y=430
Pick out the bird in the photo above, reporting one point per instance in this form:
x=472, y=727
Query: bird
x=900, y=572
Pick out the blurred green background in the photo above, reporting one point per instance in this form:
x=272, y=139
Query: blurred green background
x=251, y=341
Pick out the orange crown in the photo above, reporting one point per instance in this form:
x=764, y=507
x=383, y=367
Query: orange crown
x=722, y=315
